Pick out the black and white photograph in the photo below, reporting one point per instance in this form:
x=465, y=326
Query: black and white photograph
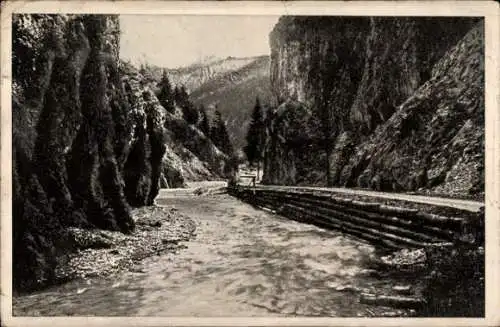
x=276, y=165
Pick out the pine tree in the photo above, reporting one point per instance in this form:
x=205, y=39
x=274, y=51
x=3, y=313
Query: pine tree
x=227, y=146
x=189, y=111
x=166, y=96
x=204, y=124
x=183, y=97
x=191, y=114
x=214, y=130
x=177, y=96
x=142, y=69
x=220, y=136
x=255, y=137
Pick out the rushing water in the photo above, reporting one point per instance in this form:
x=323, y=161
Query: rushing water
x=243, y=262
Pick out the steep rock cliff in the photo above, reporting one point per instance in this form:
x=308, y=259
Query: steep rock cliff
x=145, y=119
x=287, y=144
x=83, y=149
x=435, y=140
x=353, y=73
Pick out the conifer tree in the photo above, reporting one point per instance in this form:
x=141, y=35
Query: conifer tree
x=166, y=96
x=255, y=137
x=183, y=97
x=204, y=124
x=177, y=96
x=214, y=130
x=220, y=136
x=142, y=69
x=189, y=111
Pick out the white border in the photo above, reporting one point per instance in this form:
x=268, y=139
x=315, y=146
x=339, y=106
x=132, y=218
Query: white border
x=488, y=9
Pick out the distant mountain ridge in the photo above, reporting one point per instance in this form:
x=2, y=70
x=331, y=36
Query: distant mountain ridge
x=230, y=84
x=198, y=73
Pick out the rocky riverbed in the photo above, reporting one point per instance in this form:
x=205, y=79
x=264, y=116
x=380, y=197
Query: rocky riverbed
x=103, y=253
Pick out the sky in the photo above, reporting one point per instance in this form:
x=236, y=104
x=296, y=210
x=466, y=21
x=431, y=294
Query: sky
x=173, y=41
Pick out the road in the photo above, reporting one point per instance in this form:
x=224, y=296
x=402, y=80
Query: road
x=243, y=262
x=468, y=205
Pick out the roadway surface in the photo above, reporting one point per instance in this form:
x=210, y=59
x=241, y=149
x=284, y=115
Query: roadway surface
x=468, y=205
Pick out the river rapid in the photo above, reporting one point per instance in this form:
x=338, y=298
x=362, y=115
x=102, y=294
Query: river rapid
x=244, y=261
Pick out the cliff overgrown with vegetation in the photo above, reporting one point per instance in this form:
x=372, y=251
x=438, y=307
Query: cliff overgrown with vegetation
x=387, y=103
x=90, y=139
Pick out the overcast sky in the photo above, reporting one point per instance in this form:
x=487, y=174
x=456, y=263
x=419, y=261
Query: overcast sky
x=179, y=40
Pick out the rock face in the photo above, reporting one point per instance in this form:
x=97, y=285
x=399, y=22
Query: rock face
x=84, y=146
x=287, y=145
x=146, y=124
x=193, y=143
x=382, y=97
x=435, y=140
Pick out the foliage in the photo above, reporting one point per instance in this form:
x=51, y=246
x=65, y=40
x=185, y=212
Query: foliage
x=255, y=135
x=204, y=124
x=189, y=111
x=455, y=282
x=219, y=135
x=166, y=95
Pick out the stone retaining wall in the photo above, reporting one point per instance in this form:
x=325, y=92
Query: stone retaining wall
x=389, y=226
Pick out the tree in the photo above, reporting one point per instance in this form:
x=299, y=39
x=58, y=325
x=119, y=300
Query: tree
x=204, y=124
x=142, y=69
x=219, y=135
x=189, y=111
x=214, y=130
x=177, y=95
x=255, y=137
x=166, y=96
x=181, y=96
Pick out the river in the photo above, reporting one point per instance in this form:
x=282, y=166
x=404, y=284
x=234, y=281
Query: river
x=244, y=261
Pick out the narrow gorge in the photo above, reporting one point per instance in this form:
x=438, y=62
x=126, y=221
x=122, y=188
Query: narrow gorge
x=138, y=144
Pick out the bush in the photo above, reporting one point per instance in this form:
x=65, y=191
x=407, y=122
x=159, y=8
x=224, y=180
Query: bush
x=455, y=283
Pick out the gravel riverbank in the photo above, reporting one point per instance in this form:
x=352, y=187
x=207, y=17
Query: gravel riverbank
x=102, y=253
